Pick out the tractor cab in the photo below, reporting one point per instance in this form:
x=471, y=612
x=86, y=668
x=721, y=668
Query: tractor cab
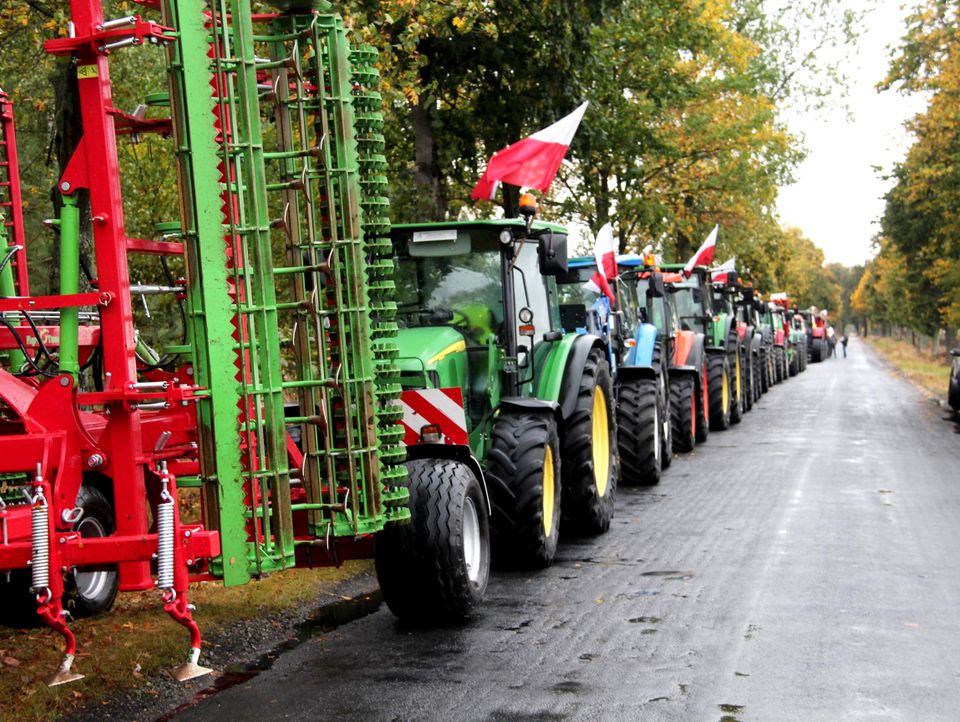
x=476, y=305
x=695, y=300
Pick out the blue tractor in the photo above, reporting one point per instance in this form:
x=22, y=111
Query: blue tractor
x=640, y=381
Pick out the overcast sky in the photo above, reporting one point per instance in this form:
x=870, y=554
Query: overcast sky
x=837, y=199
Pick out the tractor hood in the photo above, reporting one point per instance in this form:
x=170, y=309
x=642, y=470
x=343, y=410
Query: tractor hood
x=432, y=356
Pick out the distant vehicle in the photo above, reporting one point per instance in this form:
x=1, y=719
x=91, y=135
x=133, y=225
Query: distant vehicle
x=953, y=395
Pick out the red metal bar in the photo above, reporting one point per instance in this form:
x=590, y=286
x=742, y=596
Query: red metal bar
x=40, y=303
x=160, y=248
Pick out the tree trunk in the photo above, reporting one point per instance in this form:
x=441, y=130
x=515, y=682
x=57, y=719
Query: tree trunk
x=68, y=130
x=950, y=338
x=511, y=200
x=430, y=201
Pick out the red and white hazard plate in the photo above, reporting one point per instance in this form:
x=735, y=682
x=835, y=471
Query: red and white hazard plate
x=443, y=407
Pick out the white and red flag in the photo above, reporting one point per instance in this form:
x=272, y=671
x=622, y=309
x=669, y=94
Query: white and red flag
x=720, y=274
x=531, y=162
x=605, y=251
x=704, y=254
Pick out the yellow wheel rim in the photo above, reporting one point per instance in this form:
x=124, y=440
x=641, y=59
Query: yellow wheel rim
x=726, y=392
x=548, y=492
x=601, y=442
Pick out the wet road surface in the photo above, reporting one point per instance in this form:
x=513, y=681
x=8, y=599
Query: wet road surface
x=803, y=566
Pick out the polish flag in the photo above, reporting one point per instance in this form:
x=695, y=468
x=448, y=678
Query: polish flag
x=531, y=162
x=605, y=251
x=704, y=254
x=719, y=274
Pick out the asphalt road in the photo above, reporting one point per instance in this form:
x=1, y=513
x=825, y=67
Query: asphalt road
x=803, y=566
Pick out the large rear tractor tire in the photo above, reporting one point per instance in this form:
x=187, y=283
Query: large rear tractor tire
x=793, y=365
x=703, y=402
x=590, y=470
x=683, y=413
x=764, y=372
x=523, y=477
x=436, y=567
x=721, y=398
x=663, y=398
x=639, y=432
x=91, y=590
x=738, y=386
x=778, y=356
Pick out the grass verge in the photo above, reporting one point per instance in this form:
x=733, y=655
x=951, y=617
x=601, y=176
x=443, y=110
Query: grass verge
x=137, y=641
x=929, y=373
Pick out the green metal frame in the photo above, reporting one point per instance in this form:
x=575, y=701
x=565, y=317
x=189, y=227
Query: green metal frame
x=283, y=202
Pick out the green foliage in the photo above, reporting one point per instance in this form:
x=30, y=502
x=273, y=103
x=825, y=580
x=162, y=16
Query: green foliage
x=914, y=281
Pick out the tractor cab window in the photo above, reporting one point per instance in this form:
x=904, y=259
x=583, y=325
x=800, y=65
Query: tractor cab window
x=460, y=291
x=655, y=311
x=451, y=277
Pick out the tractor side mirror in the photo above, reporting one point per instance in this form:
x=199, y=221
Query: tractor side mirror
x=552, y=252
x=656, y=288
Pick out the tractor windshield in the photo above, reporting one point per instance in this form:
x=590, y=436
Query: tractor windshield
x=463, y=289
x=654, y=310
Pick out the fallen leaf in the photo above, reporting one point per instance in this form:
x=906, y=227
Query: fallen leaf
x=11, y=661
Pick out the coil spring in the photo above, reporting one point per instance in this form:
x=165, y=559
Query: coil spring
x=40, y=562
x=165, y=545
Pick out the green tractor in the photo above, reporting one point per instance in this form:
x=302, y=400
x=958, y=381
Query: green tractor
x=699, y=310
x=478, y=316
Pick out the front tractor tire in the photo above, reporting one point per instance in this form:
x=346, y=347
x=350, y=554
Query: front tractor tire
x=640, y=421
x=683, y=412
x=436, y=567
x=720, y=392
x=523, y=477
x=589, y=471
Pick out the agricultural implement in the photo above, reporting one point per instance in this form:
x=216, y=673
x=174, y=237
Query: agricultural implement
x=279, y=411
x=479, y=319
x=639, y=355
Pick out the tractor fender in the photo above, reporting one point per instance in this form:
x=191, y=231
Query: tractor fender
x=560, y=380
x=646, y=341
x=689, y=350
x=452, y=452
x=755, y=343
x=685, y=371
x=629, y=373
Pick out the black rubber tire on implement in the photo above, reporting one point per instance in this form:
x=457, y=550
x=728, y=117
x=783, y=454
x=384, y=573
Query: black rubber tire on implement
x=683, y=401
x=19, y=605
x=92, y=590
x=720, y=375
x=638, y=432
x=702, y=429
x=524, y=449
x=436, y=567
x=588, y=501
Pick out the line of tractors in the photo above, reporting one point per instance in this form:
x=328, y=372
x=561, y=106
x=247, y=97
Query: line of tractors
x=432, y=396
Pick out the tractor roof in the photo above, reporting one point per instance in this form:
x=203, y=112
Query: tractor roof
x=490, y=224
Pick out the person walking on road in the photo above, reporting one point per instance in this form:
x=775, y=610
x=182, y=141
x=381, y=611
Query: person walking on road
x=843, y=342
x=831, y=341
